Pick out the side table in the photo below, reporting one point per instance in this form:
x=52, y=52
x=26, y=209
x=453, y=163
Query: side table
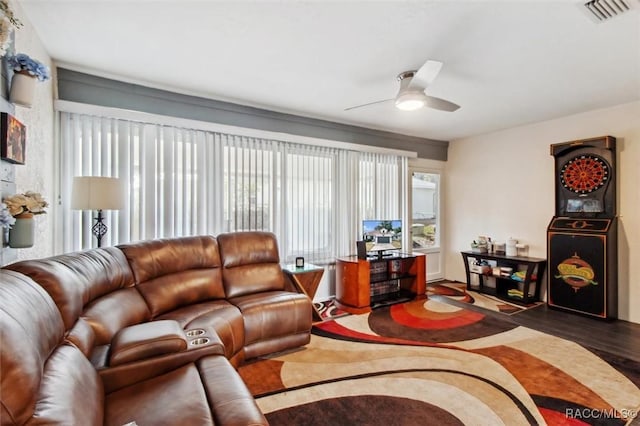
x=305, y=280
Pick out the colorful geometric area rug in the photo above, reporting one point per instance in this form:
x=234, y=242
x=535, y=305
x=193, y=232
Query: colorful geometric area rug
x=426, y=362
x=329, y=310
x=457, y=291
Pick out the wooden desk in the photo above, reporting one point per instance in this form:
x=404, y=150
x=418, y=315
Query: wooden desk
x=305, y=280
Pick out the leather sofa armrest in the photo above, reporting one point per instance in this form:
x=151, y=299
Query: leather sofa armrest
x=147, y=340
x=119, y=376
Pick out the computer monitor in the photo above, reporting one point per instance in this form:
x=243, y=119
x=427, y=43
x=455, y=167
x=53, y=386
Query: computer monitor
x=381, y=235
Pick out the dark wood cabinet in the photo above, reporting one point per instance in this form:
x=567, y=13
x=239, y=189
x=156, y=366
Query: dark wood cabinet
x=516, y=278
x=364, y=283
x=583, y=266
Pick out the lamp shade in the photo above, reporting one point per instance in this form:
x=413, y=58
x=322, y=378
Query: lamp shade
x=97, y=193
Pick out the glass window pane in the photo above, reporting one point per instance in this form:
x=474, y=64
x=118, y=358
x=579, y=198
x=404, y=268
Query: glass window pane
x=425, y=197
x=309, y=205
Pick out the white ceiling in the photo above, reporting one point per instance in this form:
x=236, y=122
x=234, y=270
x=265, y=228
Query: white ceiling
x=506, y=63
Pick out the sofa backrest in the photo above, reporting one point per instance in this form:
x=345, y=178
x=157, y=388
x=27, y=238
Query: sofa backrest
x=174, y=272
x=251, y=263
x=96, y=285
x=43, y=380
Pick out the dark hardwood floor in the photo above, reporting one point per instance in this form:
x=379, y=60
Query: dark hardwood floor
x=616, y=337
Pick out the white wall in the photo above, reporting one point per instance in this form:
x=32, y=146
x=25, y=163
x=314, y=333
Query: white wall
x=37, y=174
x=502, y=185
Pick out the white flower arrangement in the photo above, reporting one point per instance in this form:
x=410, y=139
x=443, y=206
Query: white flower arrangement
x=8, y=22
x=29, y=202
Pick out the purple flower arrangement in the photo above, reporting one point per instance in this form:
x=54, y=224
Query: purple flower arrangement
x=24, y=64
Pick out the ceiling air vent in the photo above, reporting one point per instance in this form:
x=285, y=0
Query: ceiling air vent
x=603, y=10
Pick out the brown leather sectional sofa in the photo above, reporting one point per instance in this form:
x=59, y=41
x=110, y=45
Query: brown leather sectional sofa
x=147, y=332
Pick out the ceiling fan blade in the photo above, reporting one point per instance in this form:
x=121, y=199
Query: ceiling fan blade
x=441, y=104
x=370, y=103
x=425, y=75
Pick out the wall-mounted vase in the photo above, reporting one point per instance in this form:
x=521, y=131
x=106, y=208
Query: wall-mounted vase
x=21, y=234
x=22, y=89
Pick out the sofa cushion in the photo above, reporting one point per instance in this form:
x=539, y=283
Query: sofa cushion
x=174, y=398
x=205, y=393
x=146, y=341
x=166, y=293
x=220, y=315
x=230, y=400
x=175, y=272
x=41, y=377
x=82, y=337
x=71, y=392
x=272, y=315
x=64, y=286
x=251, y=263
x=74, y=280
x=113, y=312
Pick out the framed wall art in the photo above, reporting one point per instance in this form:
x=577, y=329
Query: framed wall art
x=13, y=138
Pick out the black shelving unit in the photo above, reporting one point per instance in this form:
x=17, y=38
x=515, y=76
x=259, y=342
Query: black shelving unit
x=534, y=269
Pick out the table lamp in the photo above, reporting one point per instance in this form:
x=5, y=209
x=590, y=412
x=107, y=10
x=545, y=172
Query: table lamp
x=97, y=193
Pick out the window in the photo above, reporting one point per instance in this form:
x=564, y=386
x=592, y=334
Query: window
x=309, y=203
x=184, y=181
x=249, y=192
x=380, y=186
x=425, y=197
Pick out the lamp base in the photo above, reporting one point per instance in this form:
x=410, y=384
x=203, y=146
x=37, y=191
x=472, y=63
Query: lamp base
x=99, y=229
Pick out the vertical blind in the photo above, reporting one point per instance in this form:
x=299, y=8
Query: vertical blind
x=184, y=181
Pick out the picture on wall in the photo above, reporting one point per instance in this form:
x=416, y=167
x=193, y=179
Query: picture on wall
x=13, y=139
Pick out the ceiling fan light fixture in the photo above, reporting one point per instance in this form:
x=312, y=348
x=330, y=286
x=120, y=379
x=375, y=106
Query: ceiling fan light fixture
x=411, y=95
x=410, y=101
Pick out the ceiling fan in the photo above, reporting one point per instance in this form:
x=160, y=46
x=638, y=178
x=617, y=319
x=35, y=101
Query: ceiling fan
x=413, y=84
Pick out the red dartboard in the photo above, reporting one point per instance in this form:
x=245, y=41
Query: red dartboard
x=584, y=174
